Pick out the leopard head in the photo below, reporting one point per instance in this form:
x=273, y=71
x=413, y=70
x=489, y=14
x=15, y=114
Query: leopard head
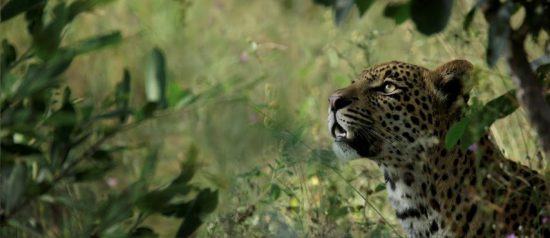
x=391, y=107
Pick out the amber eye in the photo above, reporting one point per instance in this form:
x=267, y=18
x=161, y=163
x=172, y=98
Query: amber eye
x=388, y=88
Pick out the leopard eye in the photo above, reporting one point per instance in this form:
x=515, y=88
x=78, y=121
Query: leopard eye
x=389, y=88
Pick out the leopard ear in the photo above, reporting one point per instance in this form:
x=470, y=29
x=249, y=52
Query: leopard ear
x=451, y=82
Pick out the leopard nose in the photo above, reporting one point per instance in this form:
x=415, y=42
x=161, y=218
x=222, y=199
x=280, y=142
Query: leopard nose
x=338, y=101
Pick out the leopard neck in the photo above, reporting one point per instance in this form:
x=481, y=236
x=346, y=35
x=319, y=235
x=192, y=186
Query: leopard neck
x=424, y=189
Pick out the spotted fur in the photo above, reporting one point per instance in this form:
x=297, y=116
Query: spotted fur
x=397, y=115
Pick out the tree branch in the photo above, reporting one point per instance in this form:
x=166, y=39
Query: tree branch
x=530, y=92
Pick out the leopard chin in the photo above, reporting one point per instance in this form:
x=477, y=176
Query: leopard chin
x=355, y=148
x=344, y=152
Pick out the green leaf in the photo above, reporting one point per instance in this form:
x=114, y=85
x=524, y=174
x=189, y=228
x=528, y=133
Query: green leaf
x=275, y=192
x=326, y=3
x=16, y=7
x=47, y=39
x=469, y=18
x=7, y=81
x=188, y=166
x=15, y=186
x=178, y=97
x=102, y=155
x=19, y=149
x=97, y=42
x=8, y=56
x=205, y=203
x=122, y=95
x=399, y=12
x=363, y=6
x=44, y=76
x=155, y=85
x=64, y=121
x=207, y=200
x=117, y=208
x=477, y=121
x=380, y=187
x=497, y=108
x=431, y=17
x=80, y=6
x=65, y=118
x=149, y=166
x=543, y=75
x=456, y=132
x=499, y=30
x=93, y=171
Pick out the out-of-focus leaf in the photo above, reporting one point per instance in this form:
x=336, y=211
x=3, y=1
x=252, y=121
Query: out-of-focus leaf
x=476, y=122
x=143, y=232
x=495, y=109
x=326, y=3
x=155, y=85
x=122, y=95
x=207, y=200
x=37, y=188
x=25, y=226
x=179, y=210
x=44, y=76
x=274, y=192
x=102, y=155
x=81, y=6
x=430, y=16
x=47, y=39
x=543, y=75
x=380, y=187
x=189, y=166
x=499, y=29
x=178, y=97
x=455, y=132
x=64, y=121
x=363, y=6
x=97, y=42
x=6, y=86
x=118, y=207
x=158, y=200
x=150, y=164
x=204, y=204
x=399, y=12
x=93, y=171
x=16, y=7
x=147, y=111
x=341, y=10
x=324, y=156
x=19, y=149
x=15, y=186
x=8, y=56
x=469, y=18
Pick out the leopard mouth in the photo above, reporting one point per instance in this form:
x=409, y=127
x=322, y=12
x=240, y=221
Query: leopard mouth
x=339, y=133
x=344, y=138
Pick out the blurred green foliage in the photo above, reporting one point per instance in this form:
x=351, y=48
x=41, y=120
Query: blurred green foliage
x=245, y=84
x=54, y=147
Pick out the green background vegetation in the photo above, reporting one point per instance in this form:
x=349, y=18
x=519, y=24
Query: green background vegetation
x=259, y=74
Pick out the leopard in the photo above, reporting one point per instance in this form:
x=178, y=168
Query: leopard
x=397, y=115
